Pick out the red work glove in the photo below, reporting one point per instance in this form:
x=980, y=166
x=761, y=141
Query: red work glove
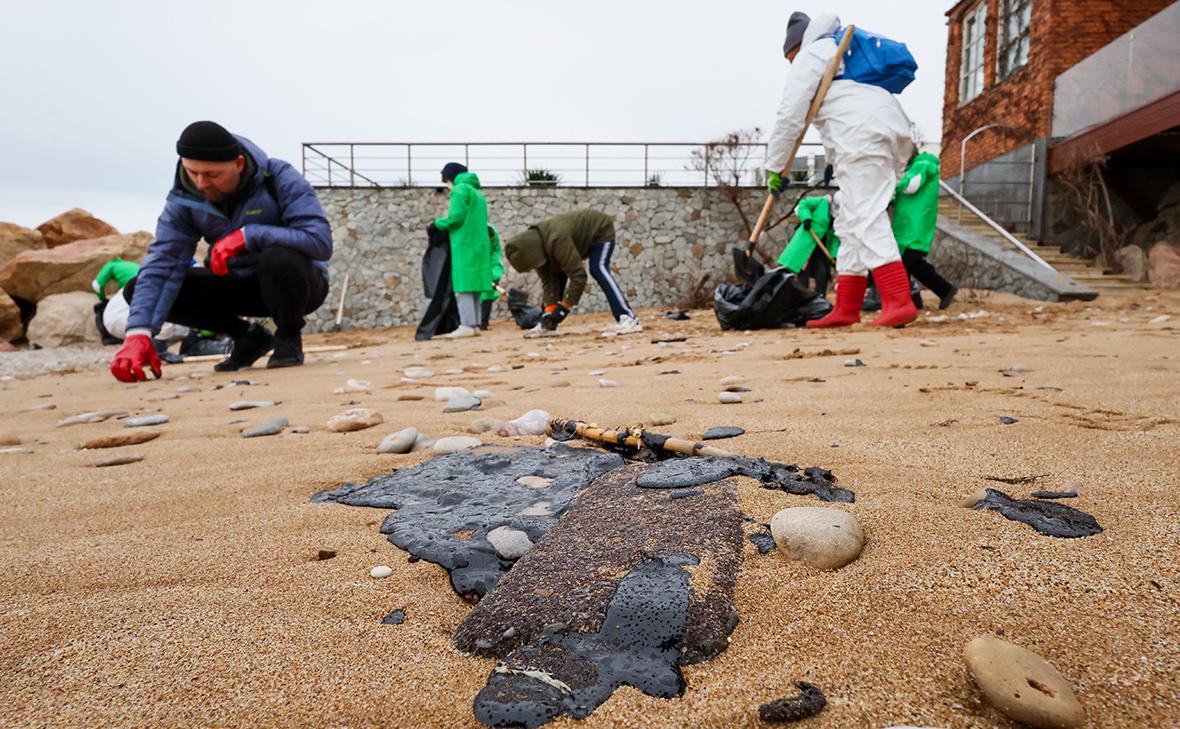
x=127, y=366
x=231, y=245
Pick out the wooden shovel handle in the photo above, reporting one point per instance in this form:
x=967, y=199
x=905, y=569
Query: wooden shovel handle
x=821, y=245
x=820, y=93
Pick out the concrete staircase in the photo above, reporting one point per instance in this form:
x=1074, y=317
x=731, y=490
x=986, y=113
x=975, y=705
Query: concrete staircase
x=1086, y=273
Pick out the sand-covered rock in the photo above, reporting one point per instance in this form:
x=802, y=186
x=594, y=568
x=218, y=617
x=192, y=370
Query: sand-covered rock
x=64, y=319
x=1022, y=684
x=824, y=538
x=354, y=419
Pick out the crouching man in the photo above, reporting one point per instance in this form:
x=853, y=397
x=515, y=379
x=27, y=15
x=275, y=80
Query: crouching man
x=270, y=243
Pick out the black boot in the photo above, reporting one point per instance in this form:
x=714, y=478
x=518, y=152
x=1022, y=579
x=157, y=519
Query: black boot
x=872, y=300
x=946, y=301
x=246, y=349
x=288, y=352
x=916, y=294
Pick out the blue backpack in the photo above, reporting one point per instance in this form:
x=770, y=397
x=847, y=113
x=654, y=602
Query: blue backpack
x=878, y=61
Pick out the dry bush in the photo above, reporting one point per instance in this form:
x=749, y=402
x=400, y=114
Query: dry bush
x=1089, y=195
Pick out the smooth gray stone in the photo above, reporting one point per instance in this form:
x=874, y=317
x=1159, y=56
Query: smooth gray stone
x=251, y=404
x=509, y=543
x=271, y=427
x=399, y=442
x=159, y=419
x=462, y=403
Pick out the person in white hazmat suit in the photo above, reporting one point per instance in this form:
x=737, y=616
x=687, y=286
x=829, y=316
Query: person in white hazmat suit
x=869, y=139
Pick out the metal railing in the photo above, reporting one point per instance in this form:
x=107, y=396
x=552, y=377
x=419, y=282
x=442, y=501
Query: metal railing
x=996, y=226
x=539, y=164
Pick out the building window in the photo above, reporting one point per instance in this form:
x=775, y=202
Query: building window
x=971, y=67
x=1015, y=17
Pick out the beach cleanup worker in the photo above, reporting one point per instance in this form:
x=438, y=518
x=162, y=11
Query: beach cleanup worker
x=488, y=298
x=270, y=243
x=466, y=222
x=915, y=215
x=802, y=255
x=117, y=270
x=868, y=137
x=555, y=248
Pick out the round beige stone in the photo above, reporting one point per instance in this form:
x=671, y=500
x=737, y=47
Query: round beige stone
x=822, y=537
x=1022, y=684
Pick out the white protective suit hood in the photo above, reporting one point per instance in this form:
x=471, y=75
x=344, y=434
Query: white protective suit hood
x=820, y=25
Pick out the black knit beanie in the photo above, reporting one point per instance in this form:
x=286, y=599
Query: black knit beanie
x=207, y=141
x=451, y=170
x=796, y=27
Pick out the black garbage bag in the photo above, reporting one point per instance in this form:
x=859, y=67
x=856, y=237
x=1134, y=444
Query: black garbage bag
x=526, y=316
x=776, y=300
x=442, y=313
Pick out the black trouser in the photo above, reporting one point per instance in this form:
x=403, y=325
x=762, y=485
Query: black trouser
x=285, y=286
x=817, y=269
x=485, y=313
x=917, y=266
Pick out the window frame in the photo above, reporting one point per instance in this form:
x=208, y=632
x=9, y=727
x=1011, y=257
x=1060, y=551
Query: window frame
x=1021, y=42
x=972, y=61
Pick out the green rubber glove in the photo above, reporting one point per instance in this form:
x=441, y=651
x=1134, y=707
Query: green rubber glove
x=775, y=183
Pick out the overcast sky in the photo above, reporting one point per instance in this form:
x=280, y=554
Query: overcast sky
x=94, y=94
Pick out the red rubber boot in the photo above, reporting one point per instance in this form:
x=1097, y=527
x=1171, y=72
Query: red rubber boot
x=850, y=294
x=897, y=308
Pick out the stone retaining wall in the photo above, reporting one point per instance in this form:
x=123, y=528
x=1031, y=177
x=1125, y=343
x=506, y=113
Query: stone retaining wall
x=668, y=239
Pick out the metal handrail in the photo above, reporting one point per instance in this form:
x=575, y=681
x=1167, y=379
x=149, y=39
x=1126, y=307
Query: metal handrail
x=998, y=228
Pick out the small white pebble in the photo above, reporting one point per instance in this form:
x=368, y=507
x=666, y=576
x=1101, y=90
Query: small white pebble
x=380, y=572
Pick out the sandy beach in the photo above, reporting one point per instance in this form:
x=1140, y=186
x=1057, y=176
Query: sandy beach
x=184, y=590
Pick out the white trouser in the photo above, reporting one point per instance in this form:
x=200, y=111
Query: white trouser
x=862, y=222
x=114, y=318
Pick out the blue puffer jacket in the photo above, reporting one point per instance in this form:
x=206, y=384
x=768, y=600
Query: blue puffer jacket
x=296, y=220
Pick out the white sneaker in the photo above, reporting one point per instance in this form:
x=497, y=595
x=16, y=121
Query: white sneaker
x=540, y=331
x=461, y=333
x=625, y=325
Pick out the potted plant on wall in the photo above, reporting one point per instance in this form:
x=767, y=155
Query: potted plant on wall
x=541, y=178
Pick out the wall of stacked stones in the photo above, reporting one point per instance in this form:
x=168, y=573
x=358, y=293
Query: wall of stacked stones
x=668, y=238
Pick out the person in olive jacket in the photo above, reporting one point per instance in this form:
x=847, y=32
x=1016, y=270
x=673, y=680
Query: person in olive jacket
x=555, y=248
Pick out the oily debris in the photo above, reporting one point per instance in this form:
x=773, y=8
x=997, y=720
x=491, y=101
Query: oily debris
x=1054, y=520
x=808, y=702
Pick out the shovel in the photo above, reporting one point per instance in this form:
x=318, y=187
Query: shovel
x=744, y=264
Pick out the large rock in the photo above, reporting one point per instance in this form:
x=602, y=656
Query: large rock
x=16, y=239
x=1133, y=263
x=72, y=225
x=1022, y=684
x=10, y=326
x=35, y=274
x=1163, y=265
x=64, y=319
x=1165, y=226
x=822, y=537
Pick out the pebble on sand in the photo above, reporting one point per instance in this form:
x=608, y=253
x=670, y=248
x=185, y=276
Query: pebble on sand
x=380, y=572
x=251, y=404
x=399, y=442
x=721, y=432
x=354, y=419
x=607, y=383
x=97, y=416
x=146, y=420
x=822, y=537
x=410, y=397
x=9, y=440
x=729, y=398
x=1022, y=684
x=658, y=419
x=15, y=450
x=418, y=373
x=354, y=386
x=484, y=425
x=509, y=543
x=118, y=440
x=482, y=394
x=534, y=482
x=534, y=422
x=455, y=443
x=118, y=461
x=270, y=427
x=969, y=501
x=422, y=442
x=443, y=394
x=734, y=380
x=462, y=403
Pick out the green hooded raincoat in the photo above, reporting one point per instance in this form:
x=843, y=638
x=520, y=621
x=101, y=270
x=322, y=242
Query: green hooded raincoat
x=467, y=224
x=497, y=263
x=801, y=246
x=915, y=214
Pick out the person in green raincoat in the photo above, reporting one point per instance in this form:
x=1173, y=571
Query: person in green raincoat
x=466, y=222
x=116, y=270
x=915, y=214
x=801, y=253
x=488, y=297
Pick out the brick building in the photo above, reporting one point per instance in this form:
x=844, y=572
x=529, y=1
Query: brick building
x=1061, y=81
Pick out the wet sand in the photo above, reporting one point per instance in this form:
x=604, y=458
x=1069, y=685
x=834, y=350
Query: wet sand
x=183, y=589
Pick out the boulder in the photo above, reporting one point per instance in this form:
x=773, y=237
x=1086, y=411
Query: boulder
x=10, y=325
x=1163, y=265
x=1166, y=226
x=1133, y=263
x=16, y=239
x=35, y=274
x=64, y=319
x=72, y=225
